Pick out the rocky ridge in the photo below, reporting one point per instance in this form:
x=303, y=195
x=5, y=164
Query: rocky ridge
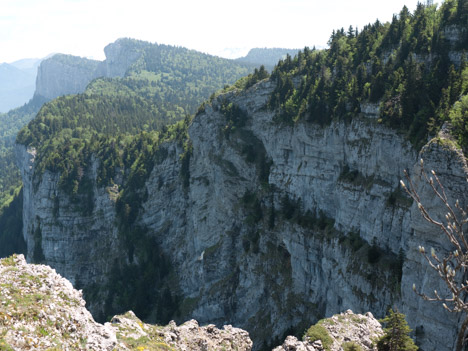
x=65, y=74
x=40, y=310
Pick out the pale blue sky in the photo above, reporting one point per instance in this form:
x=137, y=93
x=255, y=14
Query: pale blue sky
x=36, y=28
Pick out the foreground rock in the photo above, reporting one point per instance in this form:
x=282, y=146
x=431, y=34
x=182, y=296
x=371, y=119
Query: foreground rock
x=189, y=336
x=40, y=310
x=342, y=329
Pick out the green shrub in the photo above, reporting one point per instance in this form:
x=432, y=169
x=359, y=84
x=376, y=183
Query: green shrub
x=351, y=346
x=318, y=332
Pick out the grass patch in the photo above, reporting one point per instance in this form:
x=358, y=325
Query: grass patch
x=4, y=346
x=9, y=261
x=151, y=342
x=318, y=332
x=351, y=346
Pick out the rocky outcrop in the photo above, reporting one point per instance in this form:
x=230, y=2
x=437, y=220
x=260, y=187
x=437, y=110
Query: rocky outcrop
x=40, y=310
x=343, y=329
x=65, y=74
x=121, y=54
x=272, y=226
x=189, y=336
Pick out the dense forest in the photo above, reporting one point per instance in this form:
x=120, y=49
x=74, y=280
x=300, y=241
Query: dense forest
x=10, y=124
x=414, y=68
x=164, y=86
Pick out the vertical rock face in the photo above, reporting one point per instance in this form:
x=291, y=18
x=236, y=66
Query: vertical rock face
x=79, y=244
x=65, y=74
x=452, y=170
x=238, y=255
x=120, y=55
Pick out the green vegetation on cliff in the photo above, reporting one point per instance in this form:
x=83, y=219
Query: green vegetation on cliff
x=395, y=334
x=414, y=68
x=10, y=124
x=165, y=85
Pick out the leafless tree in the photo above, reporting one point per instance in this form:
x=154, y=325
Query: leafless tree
x=451, y=266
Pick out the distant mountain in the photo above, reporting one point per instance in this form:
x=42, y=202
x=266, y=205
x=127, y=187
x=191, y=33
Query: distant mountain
x=65, y=74
x=17, y=82
x=12, y=77
x=16, y=86
x=268, y=57
x=28, y=65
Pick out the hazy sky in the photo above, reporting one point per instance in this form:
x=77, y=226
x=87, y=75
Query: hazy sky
x=36, y=28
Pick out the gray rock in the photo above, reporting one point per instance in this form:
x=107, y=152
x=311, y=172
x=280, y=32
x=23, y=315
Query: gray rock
x=65, y=74
x=44, y=311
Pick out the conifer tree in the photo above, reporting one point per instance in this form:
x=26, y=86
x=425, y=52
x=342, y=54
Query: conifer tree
x=396, y=332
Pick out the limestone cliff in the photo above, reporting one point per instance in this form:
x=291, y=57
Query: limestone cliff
x=65, y=74
x=270, y=226
x=120, y=55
